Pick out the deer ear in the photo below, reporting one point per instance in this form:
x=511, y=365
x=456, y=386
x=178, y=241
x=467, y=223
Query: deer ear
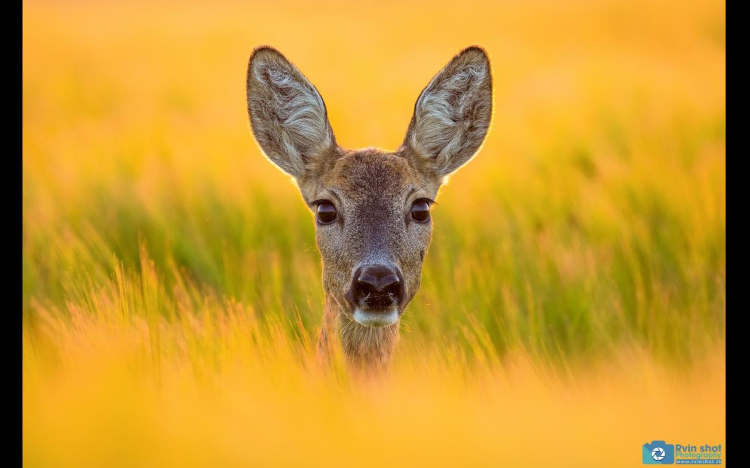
x=453, y=113
x=287, y=114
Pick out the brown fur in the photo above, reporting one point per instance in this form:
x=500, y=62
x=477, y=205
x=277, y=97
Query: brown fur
x=372, y=190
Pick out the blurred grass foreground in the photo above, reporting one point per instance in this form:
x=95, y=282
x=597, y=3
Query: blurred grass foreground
x=573, y=300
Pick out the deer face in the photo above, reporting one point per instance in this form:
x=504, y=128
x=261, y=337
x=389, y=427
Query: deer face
x=371, y=207
x=373, y=228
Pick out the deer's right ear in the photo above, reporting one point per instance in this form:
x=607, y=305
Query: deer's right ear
x=287, y=114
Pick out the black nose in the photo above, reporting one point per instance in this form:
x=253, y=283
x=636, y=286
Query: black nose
x=377, y=287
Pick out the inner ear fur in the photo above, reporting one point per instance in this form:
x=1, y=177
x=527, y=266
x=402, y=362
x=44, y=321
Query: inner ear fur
x=287, y=114
x=452, y=114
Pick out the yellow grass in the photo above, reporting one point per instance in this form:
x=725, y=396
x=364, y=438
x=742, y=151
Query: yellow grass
x=573, y=298
x=218, y=397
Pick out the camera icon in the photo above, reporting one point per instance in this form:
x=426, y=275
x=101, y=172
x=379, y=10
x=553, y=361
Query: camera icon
x=658, y=452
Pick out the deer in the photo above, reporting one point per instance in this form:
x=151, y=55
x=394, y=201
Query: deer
x=371, y=206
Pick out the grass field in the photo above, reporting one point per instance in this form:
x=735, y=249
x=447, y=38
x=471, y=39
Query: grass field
x=573, y=299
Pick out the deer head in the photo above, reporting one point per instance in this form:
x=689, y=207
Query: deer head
x=371, y=207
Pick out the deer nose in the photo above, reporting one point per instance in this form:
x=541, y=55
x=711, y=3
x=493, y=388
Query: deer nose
x=376, y=286
x=378, y=279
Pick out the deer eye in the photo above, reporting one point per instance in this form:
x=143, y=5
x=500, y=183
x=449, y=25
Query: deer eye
x=325, y=212
x=420, y=210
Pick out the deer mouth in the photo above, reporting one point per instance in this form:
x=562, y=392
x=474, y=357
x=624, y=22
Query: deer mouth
x=376, y=318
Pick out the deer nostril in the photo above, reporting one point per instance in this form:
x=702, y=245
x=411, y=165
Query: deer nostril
x=366, y=287
x=390, y=284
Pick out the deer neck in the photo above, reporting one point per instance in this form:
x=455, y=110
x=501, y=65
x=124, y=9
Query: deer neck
x=365, y=348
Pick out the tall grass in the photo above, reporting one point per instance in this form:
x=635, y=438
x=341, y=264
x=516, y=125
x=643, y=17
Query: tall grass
x=575, y=281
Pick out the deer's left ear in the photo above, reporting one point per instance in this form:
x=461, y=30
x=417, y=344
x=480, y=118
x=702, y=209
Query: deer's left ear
x=452, y=115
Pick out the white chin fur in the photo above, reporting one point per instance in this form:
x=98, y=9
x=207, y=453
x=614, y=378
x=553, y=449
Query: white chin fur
x=376, y=319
